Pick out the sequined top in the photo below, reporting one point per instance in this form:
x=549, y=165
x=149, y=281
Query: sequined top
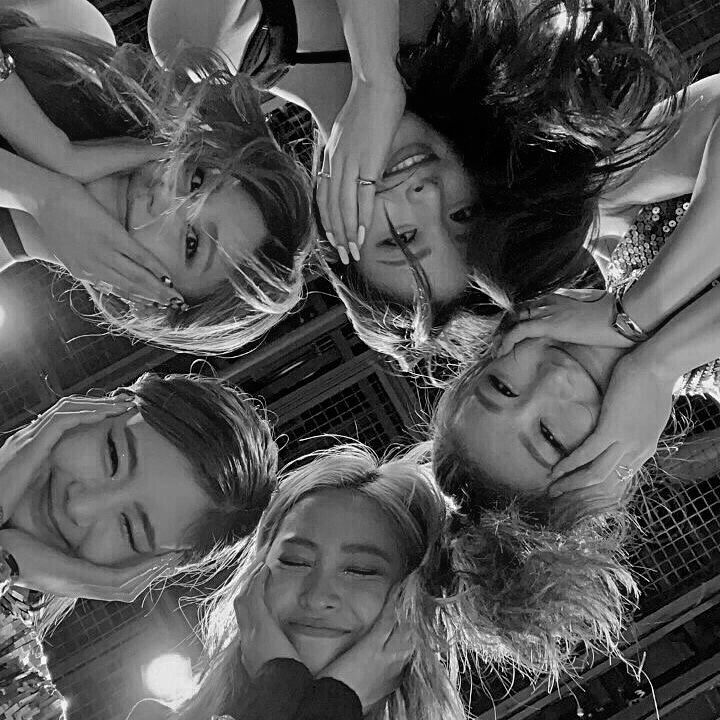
x=26, y=689
x=653, y=226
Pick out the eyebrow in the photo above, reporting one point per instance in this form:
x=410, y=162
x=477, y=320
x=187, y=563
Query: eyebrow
x=528, y=445
x=212, y=231
x=365, y=548
x=397, y=263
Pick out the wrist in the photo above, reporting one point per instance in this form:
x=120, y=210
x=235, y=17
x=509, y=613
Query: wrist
x=651, y=358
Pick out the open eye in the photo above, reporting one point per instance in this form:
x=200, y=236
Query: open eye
x=552, y=440
x=500, y=386
x=407, y=237
x=191, y=243
x=112, y=453
x=196, y=180
x=464, y=214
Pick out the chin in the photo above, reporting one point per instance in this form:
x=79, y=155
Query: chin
x=316, y=656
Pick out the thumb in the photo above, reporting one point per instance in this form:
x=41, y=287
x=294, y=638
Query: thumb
x=97, y=159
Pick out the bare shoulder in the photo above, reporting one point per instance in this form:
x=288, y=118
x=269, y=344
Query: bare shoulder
x=68, y=15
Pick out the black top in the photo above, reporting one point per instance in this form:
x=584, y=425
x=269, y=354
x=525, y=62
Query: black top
x=8, y=232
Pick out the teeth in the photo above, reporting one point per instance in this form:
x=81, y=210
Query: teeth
x=406, y=164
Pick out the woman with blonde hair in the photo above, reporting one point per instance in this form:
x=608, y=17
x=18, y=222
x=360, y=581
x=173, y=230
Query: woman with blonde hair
x=219, y=211
x=361, y=594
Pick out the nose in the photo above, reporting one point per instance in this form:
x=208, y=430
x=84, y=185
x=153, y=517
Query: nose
x=319, y=592
x=85, y=504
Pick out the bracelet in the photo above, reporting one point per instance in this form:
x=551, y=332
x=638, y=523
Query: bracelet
x=7, y=66
x=623, y=324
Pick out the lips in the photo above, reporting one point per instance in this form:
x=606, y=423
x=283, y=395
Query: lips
x=408, y=158
x=50, y=511
x=316, y=628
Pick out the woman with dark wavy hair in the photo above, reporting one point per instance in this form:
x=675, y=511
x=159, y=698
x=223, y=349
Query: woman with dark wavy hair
x=216, y=208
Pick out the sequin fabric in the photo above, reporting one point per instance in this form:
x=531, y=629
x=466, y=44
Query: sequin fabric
x=633, y=254
x=26, y=689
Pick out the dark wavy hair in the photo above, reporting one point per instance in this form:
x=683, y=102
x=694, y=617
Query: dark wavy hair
x=543, y=107
x=92, y=90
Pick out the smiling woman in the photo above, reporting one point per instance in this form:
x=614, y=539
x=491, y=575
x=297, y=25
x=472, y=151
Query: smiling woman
x=334, y=612
x=101, y=496
x=222, y=209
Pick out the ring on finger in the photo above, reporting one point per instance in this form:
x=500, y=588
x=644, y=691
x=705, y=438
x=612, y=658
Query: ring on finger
x=366, y=181
x=323, y=174
x=624, y=472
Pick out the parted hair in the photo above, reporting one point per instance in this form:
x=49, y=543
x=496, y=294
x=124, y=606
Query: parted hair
x=90, y=90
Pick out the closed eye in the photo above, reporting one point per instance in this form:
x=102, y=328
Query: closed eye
x=112, y=453
x=500, y=386
x=127, y=530
x=552, y=440
x=293, y=563
x=363, y=572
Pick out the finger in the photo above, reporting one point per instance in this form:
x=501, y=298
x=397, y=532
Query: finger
x=590, y=448
x=366, y=210
x=139, y=274
x=322, y=194
x=334, y=211
x=539, y=327
x=596, y=472
x=348, y=204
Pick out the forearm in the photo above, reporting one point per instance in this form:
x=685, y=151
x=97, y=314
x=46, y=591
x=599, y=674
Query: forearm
x=689, y=340
x=372, y=29
x=672, y=170
x=690, y=259
x=23, y=184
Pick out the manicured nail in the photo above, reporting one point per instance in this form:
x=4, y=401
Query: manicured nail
x=342, y=252
x=178, y=304
x=165, y=280
x=361, y=236
x=331, y=239
x=354, y=251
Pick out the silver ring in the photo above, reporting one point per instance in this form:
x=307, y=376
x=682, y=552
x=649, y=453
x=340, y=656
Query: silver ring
x=104, y=287
x=323, y=174
x=624, y=472
x=365, y=181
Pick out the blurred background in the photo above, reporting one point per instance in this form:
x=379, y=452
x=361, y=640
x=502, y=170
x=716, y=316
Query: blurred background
x=317, y=377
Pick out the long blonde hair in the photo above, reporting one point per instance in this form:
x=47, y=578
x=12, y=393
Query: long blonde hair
x=406, y=492
x=93, y=90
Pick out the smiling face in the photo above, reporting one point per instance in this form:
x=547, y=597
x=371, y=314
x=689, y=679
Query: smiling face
x=112, y=493
x=526, y=410
x=332, y=564
x=429, y=198
x=194, y=250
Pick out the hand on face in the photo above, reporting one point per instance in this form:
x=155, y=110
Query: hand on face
x=635, y=409
x=261, y=637
x=579, y=317
x=24, y=455
x=373, y=667
x=353, y=161
x=51, y=571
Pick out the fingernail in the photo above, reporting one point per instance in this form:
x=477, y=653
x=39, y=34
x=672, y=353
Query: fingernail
x=178, y=304
x=354, y=251
x=342, y=252
x=165, y=280
x=361, y=236
x=331, y=239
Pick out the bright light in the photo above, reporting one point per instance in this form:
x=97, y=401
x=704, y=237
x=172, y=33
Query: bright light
x=170, y=678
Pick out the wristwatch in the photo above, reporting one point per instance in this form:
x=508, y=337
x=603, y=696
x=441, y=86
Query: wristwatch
x=7, y=66
x=625, y=325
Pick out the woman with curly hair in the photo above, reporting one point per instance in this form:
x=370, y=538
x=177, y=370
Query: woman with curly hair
x=220, y=211
x=101, y=496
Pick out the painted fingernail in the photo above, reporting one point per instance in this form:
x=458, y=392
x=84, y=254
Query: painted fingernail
x=361, y=236
x=165, y=280
x=331, y=239
x=178, y=304
x=342, y=252
x=354, y=251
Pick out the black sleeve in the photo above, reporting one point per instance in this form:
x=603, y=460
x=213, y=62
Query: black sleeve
x=330, y=699
x=277, y=692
